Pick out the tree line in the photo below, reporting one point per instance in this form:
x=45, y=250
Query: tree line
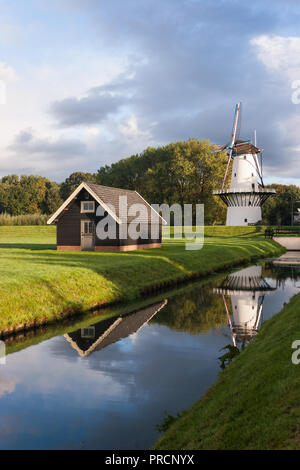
x=181, y=172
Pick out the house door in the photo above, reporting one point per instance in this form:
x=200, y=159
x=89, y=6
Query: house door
x=87, y=235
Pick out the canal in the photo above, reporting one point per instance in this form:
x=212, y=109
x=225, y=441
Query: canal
x=108, y=384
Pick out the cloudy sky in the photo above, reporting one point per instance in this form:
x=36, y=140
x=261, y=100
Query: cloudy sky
x=84, y=83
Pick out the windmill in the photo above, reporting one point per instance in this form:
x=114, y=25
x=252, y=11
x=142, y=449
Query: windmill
x=247, y=192
x=247, y=289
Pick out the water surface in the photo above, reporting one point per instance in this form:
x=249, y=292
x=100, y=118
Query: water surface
x=107, y=385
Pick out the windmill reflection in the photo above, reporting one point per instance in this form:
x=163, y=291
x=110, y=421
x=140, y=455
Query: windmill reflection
x=100, y=335
x=246, y=289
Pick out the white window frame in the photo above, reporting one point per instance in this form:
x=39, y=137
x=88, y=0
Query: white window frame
x=88, y=332
x=83, y=211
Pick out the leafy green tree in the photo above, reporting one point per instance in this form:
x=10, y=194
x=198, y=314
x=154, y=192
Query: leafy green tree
x=28, y=195
x=181, y=172
x=71, y=183
x=52, y=199
x=277, y=210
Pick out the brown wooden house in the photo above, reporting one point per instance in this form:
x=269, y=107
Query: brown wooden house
x=76, y=220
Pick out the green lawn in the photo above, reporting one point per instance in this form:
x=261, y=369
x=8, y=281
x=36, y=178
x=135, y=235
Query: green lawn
x=39, y=284
x=255, y=404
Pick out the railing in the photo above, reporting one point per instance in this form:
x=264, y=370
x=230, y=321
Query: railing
x=287, y=231
x=273, y=232
x=243, y=190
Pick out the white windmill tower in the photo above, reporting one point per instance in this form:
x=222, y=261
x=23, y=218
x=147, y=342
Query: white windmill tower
x=246, y=193
x=247, y=289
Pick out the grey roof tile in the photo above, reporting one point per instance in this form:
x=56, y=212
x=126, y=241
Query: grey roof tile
x=111, y=196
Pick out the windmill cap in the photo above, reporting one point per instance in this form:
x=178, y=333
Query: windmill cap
x=242, y=147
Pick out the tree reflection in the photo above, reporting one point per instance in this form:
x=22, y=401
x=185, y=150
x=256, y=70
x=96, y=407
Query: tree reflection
x=195, y=312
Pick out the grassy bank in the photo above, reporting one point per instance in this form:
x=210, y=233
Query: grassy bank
x=24, y=339
x=39, y=285
x=255, y=403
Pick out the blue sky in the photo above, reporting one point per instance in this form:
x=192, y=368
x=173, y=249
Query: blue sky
x=91, y=81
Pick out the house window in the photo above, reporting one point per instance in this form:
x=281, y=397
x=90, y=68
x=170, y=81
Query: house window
x=88, y=332
x=246, y=220
x=87, y=206
x=87, y=227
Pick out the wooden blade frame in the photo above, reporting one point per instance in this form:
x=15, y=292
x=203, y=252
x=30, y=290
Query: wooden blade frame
x=234, y=130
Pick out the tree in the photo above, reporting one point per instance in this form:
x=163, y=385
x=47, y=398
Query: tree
x=181, y=172
x=52, y=199
x=196, y=312
x=71, y=183
x=277, y=210
x=28, y=195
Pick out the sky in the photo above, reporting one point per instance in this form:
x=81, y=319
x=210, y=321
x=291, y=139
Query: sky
x=84, y=83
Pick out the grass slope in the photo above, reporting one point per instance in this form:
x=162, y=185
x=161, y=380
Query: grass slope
x=40, y=285
x=255, y=404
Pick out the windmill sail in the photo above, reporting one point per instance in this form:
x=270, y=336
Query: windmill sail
x=233, y=137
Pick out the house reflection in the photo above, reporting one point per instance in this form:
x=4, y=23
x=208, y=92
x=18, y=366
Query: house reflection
x=246, y=289
x=100, y=335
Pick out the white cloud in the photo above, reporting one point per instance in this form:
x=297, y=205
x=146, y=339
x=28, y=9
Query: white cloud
x=92, y=132
x=30, y=88
x=281, y=58
x=41, y=154
x=130, y=129
x=279, y=54
x=7, y=385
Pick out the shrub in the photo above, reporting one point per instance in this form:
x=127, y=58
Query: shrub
x=25, y=219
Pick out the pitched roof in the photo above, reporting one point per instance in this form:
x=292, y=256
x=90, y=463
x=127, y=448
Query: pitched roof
x=107, y=196
x=112, y=330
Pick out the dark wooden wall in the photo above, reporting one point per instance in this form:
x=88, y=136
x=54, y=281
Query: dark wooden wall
x=69, y=226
